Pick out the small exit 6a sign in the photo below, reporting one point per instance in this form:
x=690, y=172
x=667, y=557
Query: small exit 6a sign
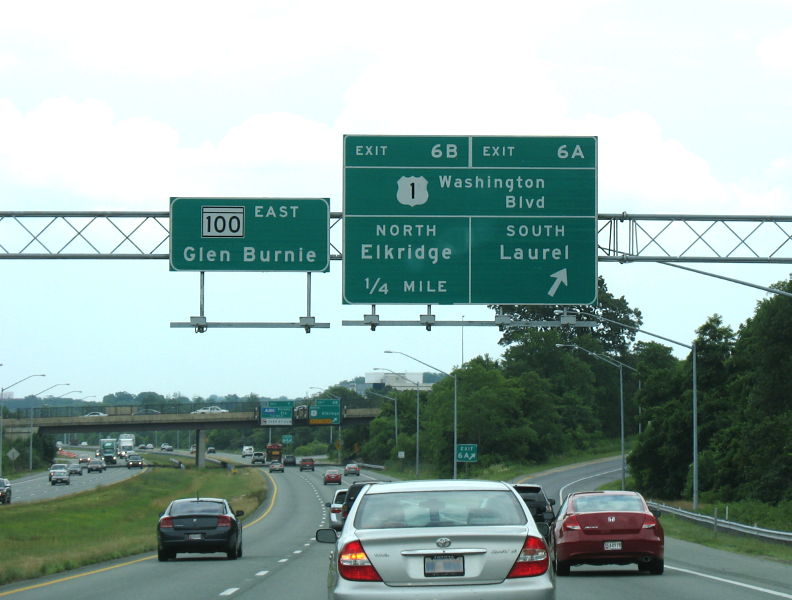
x=250, y=234
x=467, y=453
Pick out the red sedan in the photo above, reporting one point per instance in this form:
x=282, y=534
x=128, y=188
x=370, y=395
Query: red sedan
x=332, y=476
x=607, y=528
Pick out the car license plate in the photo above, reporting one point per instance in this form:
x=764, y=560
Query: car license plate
x=195, y=536
x=444, y=566
x=613, y=545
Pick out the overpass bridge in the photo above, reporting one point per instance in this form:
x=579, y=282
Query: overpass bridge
x=136, y=418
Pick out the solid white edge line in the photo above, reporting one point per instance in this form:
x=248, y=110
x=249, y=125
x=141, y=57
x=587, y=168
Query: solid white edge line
x=732, y=582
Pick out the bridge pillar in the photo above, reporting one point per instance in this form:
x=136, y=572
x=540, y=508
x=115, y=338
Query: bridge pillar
x=200, y=448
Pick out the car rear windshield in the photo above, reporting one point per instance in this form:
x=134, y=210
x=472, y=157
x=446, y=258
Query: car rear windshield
x=197, y=507
x=607, y=503
x=439, y=509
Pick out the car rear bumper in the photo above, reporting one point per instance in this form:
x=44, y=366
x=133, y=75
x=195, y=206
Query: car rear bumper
x=593, y=552
x=211, y=542
x=524, y=588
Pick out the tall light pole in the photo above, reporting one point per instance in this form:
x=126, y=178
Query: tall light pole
x=615, y=363
x=417, y=415
x=395, y=419
x=30, y=439
x=454, y=447
x=2, y=395
x=692, y=347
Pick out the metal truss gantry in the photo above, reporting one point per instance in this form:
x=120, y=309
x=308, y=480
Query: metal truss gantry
x=621, y=237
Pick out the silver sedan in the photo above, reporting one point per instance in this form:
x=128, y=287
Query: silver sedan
x=439, y=539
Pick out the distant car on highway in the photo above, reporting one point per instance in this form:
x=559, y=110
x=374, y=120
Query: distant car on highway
x=208, y=410
x=608, y=528
x=83, y=459
x=96, y=465
x=211, y=450
x=60, y=476
x=307, y=464
x=258, y=457
x=75, y=469
x=335, y=509
x=166, y=447
x=276, y=466
x=289, y=460
x=57, y=467
x=199, y=525
x=485, y=544
x=351, y=469
x=5, y=491
x=146, y=411
x=332, y=476
x=134, y=460
x=95, y=414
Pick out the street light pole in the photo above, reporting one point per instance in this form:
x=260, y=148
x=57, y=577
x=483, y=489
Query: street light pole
x=2, y=394
x=454, y=447
x=30, y=437
x=692, y=347
x=615, y=363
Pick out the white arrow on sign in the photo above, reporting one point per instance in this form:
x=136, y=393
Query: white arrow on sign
x=560, y=277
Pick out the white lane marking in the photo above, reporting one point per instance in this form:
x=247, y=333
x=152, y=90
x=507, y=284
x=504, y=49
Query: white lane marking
x=261, y=573
x=732, y=582
x=306, y=545
x=229, y=591
x=283, y=560
x=561, y=491
x=297, y=552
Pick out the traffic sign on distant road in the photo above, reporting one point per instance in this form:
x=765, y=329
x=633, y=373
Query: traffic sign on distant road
x=470, y=220
x=249, y=234
x=276, y=412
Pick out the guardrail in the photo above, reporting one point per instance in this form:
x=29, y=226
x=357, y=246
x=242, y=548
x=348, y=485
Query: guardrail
x=772, y=535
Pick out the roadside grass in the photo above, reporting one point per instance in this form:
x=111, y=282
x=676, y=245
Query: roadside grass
x=42, y=538
x=507, y=472
x=698, y=533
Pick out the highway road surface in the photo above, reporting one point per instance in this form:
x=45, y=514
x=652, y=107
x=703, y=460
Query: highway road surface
x=281, y=560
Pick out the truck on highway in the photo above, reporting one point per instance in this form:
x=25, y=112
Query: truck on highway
x=126, y=444
x=274, y=452
x=108, y=450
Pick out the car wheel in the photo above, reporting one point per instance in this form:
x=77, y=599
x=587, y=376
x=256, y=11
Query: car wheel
x=561, y=568
x=164, y=555
x=233, y=553
x=657, y=566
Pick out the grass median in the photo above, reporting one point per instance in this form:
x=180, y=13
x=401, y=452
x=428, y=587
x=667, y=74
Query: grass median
x=41, y=538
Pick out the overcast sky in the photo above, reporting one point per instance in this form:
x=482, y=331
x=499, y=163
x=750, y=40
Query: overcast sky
x=105, y=106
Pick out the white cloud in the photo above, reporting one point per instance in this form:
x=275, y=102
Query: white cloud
x=775, y=52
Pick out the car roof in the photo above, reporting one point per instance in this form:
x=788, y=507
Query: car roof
x=431, y=485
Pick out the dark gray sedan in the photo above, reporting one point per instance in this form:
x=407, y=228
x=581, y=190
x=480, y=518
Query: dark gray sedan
x=199, y=525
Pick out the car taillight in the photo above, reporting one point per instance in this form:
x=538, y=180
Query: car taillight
x=166, y=523
x=353, y=564
x=532, y=561
x=571, y=523
x=335, y=510
x=649, y=521
x=223, y=521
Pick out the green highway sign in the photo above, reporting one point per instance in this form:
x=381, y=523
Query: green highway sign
x=286, y=439
x=276, y=412
x=467, y=453
x=249, y=234
x=326, y=411
x=470, y=220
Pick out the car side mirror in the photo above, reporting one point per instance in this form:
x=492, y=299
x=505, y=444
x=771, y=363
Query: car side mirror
x=551, y=501
x=326, y=536
x=327, y=504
